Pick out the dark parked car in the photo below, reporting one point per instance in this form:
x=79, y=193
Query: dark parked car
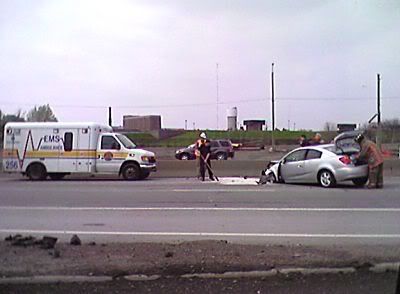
x=220, y=150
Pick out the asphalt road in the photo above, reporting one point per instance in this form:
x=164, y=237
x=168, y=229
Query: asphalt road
x=185, y=209
x=359, y=283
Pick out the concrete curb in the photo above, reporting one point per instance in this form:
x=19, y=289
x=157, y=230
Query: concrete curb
x=386, y=267
x=54, y=279
x=271, y=273
x=377, y=268
x=141, y=278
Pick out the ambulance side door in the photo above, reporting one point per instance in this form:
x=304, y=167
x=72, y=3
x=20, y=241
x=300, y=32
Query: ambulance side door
x=82, y=152
x=107, y=151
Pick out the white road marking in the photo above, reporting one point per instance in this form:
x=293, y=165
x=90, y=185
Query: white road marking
x=93, y=189
x=223, y=190
x=200, y=234
x=266, y=209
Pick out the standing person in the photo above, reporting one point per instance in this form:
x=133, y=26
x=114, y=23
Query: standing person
x=203, y=148
x=369, y=151
x=303, y=142
x=317, y=140
x=197, y=144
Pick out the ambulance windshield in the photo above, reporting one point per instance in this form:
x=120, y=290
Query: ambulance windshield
x=126, y=141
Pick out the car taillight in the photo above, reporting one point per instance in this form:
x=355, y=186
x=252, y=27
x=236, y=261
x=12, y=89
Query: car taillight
x=345, y=159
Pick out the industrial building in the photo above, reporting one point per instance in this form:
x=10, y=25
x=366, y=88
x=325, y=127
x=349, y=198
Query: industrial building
x=346, y=127
x=145, y=123
x=254, y=125
x=232, y=115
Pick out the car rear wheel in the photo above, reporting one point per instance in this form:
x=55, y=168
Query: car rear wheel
x=359, y=182
x=221, y=156
x=131, y=172
x=185, y=156
x=36, y=172
x=326, y=179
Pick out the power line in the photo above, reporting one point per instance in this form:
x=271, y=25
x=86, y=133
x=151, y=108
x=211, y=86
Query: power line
x=101, y=106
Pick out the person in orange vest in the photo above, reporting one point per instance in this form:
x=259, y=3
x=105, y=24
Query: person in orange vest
x=370, y=152
x=203, y=153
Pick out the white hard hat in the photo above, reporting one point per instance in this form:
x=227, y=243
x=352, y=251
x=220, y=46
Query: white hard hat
x=203, y=135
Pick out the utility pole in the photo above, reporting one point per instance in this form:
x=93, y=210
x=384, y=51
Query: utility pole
x=378, y=112
x=185, y=124
x=378, y=97
x=217, y=76
x=109, y=117
x=273, y=107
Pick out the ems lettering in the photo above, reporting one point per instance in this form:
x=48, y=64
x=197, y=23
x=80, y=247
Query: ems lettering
x=51, y=139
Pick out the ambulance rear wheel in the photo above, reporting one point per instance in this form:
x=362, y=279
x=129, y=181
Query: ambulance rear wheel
x=131, y=172
x=36, y=172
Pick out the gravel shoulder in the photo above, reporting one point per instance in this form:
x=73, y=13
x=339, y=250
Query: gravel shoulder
x=166, y=259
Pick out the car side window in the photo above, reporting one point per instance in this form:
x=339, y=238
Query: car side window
x=214, y=144
x=313, y=154
x=109, y=142
x=298, y=155
x=225, y=144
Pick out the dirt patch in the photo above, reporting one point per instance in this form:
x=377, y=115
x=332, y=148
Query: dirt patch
x=119, y=259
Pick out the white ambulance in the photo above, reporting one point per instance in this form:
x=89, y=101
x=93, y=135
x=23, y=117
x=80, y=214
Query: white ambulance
x=38, y=150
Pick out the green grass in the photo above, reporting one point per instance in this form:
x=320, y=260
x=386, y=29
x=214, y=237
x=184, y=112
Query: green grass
x=256, y=138
x=143, y=139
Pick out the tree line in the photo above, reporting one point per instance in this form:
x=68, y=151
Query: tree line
x=42, y=113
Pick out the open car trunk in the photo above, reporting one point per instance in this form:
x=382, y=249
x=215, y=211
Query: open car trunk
x=346, y=145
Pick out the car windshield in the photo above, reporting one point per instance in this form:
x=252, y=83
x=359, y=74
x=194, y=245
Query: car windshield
x=126, y=141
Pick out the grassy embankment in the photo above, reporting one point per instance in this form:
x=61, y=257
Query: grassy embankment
x=249, y=138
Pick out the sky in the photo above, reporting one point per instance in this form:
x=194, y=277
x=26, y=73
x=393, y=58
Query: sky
x=160, y=57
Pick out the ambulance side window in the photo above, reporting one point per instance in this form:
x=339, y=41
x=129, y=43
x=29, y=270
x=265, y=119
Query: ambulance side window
x=68, y=140
x=109, y=143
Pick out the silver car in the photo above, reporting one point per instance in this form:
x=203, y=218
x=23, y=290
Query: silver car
x=324, y=164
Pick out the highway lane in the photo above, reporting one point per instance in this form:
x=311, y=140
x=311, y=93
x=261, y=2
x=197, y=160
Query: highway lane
x=185, y=209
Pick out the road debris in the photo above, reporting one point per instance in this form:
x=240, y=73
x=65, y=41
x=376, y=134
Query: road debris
x=47, y=242
x=238, y=181
x=75, y=241
x=169, y=254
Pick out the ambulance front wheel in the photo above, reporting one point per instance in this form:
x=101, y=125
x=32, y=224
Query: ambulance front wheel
x=36, y=172
x=144, y=175
x=131, y=172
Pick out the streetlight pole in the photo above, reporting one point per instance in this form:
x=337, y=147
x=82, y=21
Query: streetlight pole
x=273, y=107
x=217, y=76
